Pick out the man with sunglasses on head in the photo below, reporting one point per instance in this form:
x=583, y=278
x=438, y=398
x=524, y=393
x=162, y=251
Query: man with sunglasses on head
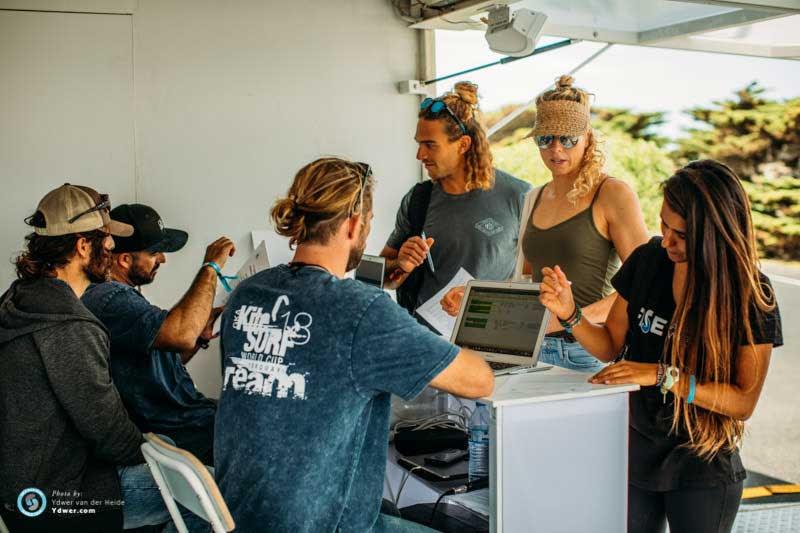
x=150, y=345
x=467, y=215
x=311, y=360
x=69, y=455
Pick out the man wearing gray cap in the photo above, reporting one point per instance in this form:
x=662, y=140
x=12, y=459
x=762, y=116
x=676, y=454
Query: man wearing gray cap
x=69, y=455
x=151, y=345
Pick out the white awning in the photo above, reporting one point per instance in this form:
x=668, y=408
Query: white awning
x=764, y=28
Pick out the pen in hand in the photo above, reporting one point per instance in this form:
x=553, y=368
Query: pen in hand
x=428, y=255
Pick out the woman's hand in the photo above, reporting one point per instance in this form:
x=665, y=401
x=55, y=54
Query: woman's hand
x=643, y=374
x=556, y=294
x=451, y=302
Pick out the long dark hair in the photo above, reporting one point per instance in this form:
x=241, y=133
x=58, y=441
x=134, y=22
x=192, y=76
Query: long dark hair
x=722, y=287
x=43, y=254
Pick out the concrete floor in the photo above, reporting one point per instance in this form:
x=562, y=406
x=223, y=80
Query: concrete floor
x=772, y=443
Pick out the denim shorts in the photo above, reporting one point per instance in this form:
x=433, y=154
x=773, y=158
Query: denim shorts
x=556, y=351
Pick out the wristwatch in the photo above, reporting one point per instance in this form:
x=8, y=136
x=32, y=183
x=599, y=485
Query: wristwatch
x=671, y=377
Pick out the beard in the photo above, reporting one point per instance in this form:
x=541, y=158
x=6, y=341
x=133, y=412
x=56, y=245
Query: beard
x=99, y=268
x=356, y=253
x=140, y=276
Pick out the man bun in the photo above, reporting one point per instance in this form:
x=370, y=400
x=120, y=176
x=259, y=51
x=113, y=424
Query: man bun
x=467, y=91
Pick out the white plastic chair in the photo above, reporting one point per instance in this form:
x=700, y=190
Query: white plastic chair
x=183, y=478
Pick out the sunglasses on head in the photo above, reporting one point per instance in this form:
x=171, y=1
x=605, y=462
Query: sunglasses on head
x=435, y=106
x=104, y=203
x=366, y=172
x=567, y=141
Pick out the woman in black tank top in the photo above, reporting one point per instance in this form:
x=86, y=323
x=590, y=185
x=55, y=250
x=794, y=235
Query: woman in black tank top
x=582, y=220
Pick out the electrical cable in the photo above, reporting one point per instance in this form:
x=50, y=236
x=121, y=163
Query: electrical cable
x=475, y=484
x=448, y=492
x=458, y=420
x=389, y=487
x=403, y=484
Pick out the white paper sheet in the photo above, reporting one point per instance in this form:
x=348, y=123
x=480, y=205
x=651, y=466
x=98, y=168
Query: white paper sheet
x=432, y=310
x=278, y=246
x=255, y=263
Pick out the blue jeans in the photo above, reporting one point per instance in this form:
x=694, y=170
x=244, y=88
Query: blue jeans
x=143, y=504
x=555, y=351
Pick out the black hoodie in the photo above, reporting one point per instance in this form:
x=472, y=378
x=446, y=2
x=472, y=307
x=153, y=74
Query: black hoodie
x=62, y=424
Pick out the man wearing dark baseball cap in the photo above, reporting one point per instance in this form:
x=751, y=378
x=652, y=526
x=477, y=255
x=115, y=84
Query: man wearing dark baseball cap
x=150, y=345
x=69, y=454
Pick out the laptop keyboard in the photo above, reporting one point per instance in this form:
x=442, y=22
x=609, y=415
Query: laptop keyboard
x=499, y=366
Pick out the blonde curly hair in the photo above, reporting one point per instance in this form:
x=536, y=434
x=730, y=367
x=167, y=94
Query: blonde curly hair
x=463, y=102
x=591, y=171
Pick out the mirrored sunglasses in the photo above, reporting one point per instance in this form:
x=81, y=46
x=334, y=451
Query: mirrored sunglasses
x=435, y=106
x=567, y=141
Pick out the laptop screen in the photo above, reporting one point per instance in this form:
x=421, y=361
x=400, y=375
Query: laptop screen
x=502, y=321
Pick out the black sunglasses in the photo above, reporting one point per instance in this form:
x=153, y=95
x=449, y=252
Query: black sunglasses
x=435, y=106
x=104, y=203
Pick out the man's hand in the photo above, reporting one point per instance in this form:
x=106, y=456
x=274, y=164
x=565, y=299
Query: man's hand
x=451, y=302
x=219, y=251
x=412, y=253
x=208, y=331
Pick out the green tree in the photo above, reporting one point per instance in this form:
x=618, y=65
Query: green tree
x=760, y=140
x=745, y=132
x=637, y=125
x=605, y=119
x=640, y=163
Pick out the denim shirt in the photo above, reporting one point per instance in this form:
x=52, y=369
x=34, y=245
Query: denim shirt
x=154, y=385
x=310, y=362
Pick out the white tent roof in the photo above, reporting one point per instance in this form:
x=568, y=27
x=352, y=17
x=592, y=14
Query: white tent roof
x=766, y=28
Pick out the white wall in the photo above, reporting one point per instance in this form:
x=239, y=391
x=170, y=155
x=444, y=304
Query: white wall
x=229, y=100
x=66, y=113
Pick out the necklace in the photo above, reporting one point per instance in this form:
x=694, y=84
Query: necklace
x=297, y=265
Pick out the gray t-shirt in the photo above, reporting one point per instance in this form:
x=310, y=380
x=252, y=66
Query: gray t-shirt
x=477, y=230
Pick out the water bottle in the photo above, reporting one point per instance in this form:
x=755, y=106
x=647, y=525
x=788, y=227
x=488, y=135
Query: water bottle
x=479, y=442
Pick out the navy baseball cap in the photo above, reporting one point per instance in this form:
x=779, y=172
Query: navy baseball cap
x=149, y=233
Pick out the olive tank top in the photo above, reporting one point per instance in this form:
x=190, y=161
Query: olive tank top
x=587, y=258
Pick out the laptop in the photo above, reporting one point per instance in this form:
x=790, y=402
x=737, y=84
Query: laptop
x=504, y=322
x=371, y=270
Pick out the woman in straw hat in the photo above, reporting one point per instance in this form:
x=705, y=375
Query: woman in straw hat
x=583, y=220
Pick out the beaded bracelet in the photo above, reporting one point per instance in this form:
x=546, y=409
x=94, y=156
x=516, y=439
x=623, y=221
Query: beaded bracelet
x=660, y=373
x=573, y=320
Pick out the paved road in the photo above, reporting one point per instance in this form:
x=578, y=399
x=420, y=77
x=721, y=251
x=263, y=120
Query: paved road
x=772, y=442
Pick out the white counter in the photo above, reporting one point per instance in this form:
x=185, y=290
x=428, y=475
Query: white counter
x=558, y=455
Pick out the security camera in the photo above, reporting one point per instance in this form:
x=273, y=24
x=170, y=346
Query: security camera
x=514, y=35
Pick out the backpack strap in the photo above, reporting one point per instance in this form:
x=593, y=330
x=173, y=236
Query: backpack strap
x=417, y=212
x=418, y=206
